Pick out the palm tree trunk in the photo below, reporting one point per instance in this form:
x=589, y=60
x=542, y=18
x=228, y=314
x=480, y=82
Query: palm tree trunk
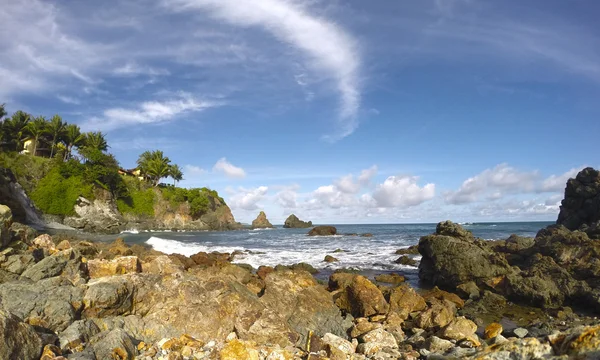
x=52, y=150
x=35, y=141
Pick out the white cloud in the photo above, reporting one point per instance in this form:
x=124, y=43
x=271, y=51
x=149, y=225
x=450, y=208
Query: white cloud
x=133, y=69
x=347, y=184
x=401, y=191
x=330, y=50
x=149, y=112
x=230, y=170
x=68, y=99
x=493, y=183
x=247, y=199
x=288, y=197
x=330, y=196
x=555, y=183
x=193, y=170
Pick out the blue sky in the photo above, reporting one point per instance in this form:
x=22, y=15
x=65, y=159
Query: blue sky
x=339, y=111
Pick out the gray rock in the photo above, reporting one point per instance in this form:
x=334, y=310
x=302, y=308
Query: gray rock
x=78, y=333
x=23, y=233
x=19, y=340
x=51, y=303
x=6, y=276
x=520, y=332
x=113, y=344
x=86, y=354
x=49, y=267
x=108, y=296
x=436, y=345
x=16, y=264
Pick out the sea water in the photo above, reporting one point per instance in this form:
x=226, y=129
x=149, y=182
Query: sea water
x=290, y=246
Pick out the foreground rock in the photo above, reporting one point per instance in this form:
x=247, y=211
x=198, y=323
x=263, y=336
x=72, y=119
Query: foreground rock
x=322, y=231
x=18, y=340
x=292, y=222
x=261, y=222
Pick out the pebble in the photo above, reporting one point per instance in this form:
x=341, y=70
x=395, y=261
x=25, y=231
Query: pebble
x=520, y=332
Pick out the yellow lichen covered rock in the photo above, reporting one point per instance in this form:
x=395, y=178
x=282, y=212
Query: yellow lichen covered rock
x=98, y=268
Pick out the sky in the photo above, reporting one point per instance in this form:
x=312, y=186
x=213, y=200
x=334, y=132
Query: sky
x=337, y=111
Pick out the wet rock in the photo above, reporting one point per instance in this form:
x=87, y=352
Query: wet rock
x=528, y=348
x=292, y=222
x=438, y=294
x=404, y=300
x=261, y=222
x=492, y=330
x=330, y=259
x=405, y=260
x=366, y=235
x=411, y=250
x=452, y=256
x=468, y=290
x=390, y=278
x=98, y=268
x=19, y=340
x=323, y=231
x=300, y=266
x=114, y=344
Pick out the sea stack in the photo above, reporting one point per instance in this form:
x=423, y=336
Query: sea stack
x=292, y=222
x=261, y=222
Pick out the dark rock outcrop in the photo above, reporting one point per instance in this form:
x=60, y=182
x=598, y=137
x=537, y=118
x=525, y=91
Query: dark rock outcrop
x=19, y=340
x=453, y=256
x=323, y=231
x=292, y=222
x=261, y=222
x=580, y=208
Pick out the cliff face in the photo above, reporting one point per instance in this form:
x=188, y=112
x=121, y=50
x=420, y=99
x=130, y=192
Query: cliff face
x=179, y=216
x=13, y=196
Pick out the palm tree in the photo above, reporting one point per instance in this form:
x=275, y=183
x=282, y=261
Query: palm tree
x=36, y=129
x=175, y=173
x=154, y=165
x=14, y=128
x=73, y=137
x=2, y=111
x=95, y=140
x=56, y=130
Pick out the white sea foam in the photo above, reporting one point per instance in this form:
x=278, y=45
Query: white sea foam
x=130, y=231
x=290, y=250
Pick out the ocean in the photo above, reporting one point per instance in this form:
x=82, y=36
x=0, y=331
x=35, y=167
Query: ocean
x=272, y=247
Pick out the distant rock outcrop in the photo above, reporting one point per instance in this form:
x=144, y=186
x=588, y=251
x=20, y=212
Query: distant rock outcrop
x=292, y=222
x=261, y=222
x=580, y=208
x=323, y=231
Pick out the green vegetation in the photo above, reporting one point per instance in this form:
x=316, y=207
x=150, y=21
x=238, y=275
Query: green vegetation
x=56, y=163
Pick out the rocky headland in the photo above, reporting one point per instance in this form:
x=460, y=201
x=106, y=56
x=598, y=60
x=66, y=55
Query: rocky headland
x=292, y=222
x=518, y=298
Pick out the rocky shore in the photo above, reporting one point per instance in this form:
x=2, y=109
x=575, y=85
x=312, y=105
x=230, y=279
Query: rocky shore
x=518, y=298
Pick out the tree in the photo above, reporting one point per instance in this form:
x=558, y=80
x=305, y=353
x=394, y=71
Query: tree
x=95, y=140
x=14, y=129
x=2, y=111
x=56, y=130
x=175, y=173
x=73, y=137
x=154, y=165
x=36, y=129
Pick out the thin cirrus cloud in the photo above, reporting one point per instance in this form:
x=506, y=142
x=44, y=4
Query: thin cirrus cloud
x=230, y=170
x=330, y=51
x=148, y=112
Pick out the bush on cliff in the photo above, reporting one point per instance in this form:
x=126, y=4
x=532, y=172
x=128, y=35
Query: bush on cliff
x=201, y=200
x=57, y=195
x=138, y=199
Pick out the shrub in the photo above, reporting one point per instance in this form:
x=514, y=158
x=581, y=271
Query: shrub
x=138, y=201
x=58, y=195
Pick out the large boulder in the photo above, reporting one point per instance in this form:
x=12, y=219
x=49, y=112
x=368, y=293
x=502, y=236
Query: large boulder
x=356, y=295
x=292, y=222
x=18, y=340
x=5, y=223
x=581, y=206
x=261, y=222
x=99, y=215
x=453, y=256
x=323, y=231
